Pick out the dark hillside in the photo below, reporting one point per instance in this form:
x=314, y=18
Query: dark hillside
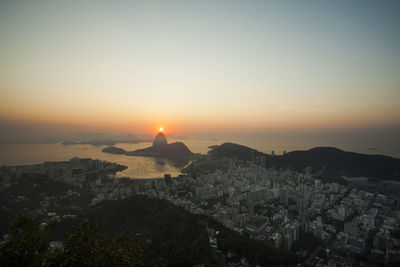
x=325, y=161
x=170, y=232
x=177, y=236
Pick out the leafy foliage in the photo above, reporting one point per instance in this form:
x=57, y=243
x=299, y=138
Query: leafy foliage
x=29, y=244
x=138, y=231
x=86, y=246
x=170, y=232
x=35, y=188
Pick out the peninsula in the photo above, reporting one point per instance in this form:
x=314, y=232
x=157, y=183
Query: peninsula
x=160, y=148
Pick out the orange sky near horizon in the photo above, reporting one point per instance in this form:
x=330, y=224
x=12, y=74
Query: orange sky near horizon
x=273, y=120
x=200, y=67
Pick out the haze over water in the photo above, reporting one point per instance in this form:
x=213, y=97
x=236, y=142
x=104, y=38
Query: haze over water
x=272, y=75
x=148, y=167
x=138, y=167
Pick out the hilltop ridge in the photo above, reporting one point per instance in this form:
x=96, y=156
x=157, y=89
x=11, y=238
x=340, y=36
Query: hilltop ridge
x=329, y=161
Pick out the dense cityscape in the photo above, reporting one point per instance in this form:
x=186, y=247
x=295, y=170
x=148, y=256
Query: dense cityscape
x=324, y=223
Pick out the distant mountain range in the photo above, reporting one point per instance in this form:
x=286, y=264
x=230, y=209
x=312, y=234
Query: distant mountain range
x=160, y=148
x=324, y=161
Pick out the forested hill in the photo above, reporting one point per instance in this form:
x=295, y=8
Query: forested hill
x=327, y=160
x=177, y=236
x=169, y=231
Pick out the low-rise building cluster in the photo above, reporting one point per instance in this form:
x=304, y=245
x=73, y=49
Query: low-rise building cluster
x=282, y=207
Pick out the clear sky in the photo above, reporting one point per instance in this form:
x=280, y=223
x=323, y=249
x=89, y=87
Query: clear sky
x=209, y=66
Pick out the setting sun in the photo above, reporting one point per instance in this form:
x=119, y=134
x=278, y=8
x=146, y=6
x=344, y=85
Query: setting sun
x=161, y=129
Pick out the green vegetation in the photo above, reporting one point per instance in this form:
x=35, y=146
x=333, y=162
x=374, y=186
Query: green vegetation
x=205, y=165
x=306, y=242
x=170, y=232
x=86, y=246
x=177, y=236
x=26, y=194
x=136, y=231
x=29, y=244
x=256, y=251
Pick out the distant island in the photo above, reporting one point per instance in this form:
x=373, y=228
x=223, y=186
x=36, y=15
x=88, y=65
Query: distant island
x=91, y=142
x=160, y=148
x=114, y=150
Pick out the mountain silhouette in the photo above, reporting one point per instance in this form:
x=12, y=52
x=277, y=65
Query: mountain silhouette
x=160, y=140
x=327, y=161
x=160, y=148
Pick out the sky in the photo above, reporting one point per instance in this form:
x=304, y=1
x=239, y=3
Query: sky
x=199, y=66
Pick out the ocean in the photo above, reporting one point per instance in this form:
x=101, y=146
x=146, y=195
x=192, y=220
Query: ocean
x=148, y=167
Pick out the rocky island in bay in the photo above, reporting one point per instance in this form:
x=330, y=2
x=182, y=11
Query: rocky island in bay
x=160, y=148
